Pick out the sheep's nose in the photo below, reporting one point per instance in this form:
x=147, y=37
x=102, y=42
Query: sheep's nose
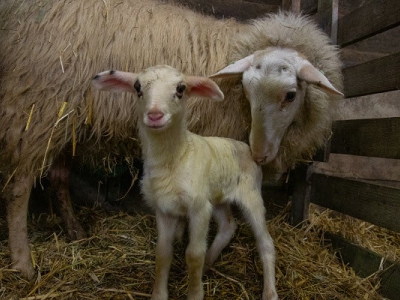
x=260, y=159
x=155, y=116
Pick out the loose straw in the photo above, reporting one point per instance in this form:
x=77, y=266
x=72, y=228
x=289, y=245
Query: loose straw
x=30, y=117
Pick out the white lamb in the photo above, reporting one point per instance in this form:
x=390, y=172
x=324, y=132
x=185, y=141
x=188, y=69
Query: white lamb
x=187, y=175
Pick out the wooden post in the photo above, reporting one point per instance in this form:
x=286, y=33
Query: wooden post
x=292, y=5
x=299, y=191
x=327, y=17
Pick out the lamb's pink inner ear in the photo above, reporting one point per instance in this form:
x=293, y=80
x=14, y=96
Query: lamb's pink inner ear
x=115, y=81
x=203, y=87
x=311, y=75
x=236, y=68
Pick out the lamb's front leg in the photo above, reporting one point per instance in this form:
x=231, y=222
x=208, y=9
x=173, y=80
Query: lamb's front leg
x=254, y=210
x=196, y=250
x=166, y=226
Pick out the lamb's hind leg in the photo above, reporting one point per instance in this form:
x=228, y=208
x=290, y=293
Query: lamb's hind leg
x=166, y=227
x=254, y=211
x=222, y=214
x=17, y=194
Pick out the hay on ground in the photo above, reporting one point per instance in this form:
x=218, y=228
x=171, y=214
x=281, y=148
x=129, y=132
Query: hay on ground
x=380, y=240
x=117, y=262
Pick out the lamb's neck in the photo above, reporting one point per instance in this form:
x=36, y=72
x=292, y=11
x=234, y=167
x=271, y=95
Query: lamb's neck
x=163, y=148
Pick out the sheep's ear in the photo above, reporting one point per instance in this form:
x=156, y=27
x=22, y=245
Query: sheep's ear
x=311, y=75
x=235, y=68
x=115, y=81
x=203, y=87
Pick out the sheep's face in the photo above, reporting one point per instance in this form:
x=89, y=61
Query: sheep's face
x=271, y=84
x=161, y=92
x=275, y=82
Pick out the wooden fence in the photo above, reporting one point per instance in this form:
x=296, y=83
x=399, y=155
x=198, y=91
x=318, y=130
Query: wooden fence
x=378, y=201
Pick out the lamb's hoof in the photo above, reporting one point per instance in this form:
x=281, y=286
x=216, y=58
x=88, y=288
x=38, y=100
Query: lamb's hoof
x=26, y=270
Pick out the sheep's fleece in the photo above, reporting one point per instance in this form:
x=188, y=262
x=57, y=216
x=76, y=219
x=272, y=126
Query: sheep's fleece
x=50, y=50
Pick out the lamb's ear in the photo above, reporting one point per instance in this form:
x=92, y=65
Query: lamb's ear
x=203, y=87
x=235, y=68
x=311, y=75
x=115, y=81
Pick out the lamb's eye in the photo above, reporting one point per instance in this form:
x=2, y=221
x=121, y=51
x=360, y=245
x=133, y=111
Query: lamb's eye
x=290, y=96
x=179, y=90
x=138, y=88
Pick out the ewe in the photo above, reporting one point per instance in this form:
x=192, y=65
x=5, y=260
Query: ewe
x=48, y=113
x=187, y=175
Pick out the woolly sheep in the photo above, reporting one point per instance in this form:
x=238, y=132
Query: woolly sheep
x=48, y=114
x=186, y=175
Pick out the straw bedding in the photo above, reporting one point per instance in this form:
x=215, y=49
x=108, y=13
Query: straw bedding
x=117, y=262
x=377, y=239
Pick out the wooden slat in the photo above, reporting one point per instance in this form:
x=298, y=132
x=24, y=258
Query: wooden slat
x=299, y=190
x=365, y=263
x=375, y=106
x=322, y=154
x=324, y=17
x=367, y=137
x=291, y=5
x=376, y=76
x=372, y=18
x=377, y=204
x=309, y=7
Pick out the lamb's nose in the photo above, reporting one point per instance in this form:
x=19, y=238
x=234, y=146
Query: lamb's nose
x=155, y=116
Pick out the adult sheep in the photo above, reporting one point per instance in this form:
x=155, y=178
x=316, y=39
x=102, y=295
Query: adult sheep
x=48, y=53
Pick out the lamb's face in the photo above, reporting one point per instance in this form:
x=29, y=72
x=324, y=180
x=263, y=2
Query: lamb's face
x=276, y=94
x=161, y=91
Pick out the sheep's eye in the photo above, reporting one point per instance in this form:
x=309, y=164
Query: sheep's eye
x=138, y=87
x=290, y=96
x=179, y=90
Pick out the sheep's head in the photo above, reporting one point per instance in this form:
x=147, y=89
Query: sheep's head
x=161, y=92
x=275, y=82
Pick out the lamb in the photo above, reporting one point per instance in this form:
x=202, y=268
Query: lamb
x=48, y=114
x=187, y=175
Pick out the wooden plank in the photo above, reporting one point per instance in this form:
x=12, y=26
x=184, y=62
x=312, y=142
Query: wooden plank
x=365, y=263
x=309, y=7
x=299, y=190
x=376, y=76
x=322, y=154
x=375, y=106
x=372, y=18
x=324, y=16
x=327, y=16
x=292, y=5
x=367, y=137
x=377, y=204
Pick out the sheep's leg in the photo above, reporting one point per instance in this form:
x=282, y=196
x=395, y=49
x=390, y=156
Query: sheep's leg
x=59, y=178
x=18, y=194
x=226, y=228
x=254, y=211
x=196, y=250
x=166, y=227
